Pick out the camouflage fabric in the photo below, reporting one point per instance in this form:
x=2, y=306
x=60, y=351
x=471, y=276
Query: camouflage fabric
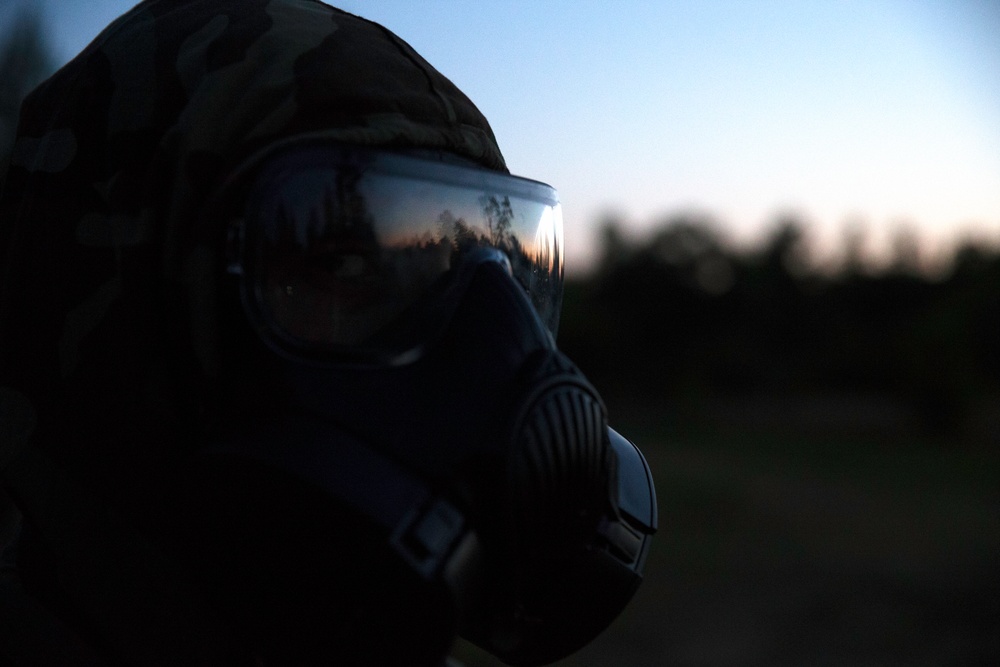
x=110, y=257
x=105, y=247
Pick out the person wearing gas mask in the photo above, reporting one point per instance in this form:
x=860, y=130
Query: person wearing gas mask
x=278, y=379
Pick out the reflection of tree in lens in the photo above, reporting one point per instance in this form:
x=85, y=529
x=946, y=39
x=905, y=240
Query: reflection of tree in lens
x=416, y=265
x=499, y=215
x=534, y=268
x=463, y=237
x=532, y=271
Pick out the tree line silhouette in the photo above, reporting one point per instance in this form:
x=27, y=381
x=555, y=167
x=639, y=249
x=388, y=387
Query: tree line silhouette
x=682, y=319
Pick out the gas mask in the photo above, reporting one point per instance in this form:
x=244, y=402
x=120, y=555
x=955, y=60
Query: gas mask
x=395, y=385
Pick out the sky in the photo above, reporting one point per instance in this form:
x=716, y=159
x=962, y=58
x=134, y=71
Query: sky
x=881, y=115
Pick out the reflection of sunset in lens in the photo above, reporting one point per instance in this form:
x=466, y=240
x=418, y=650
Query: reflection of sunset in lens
x=350, y=241
x=547, y=250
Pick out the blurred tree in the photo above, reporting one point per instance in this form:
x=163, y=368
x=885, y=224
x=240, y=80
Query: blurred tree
x=786, y=251
x=25, y=60
x=692, y=245
x=855, y=239
x=682, y=316
x=906, y=255
x=615, y=248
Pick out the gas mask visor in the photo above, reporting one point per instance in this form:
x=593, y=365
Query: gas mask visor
x=356, y=253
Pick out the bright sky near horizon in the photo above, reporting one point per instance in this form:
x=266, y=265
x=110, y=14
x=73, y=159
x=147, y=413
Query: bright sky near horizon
x=883, y=112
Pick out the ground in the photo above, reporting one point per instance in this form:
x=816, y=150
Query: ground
x=778, y=550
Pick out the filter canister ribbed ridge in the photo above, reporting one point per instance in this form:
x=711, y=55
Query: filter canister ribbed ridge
x=559, y=471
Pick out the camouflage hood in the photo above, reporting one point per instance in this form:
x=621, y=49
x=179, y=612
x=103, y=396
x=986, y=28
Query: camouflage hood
x=109, y=264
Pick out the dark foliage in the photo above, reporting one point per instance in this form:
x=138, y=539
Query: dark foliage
x=682, y=319
x=25, y=60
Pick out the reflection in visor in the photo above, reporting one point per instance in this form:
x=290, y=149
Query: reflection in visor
x=342, y=243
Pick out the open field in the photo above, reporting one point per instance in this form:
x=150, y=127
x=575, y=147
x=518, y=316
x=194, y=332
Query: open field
x=775, y=550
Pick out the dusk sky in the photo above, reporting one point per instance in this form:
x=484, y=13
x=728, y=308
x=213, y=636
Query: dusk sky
x=884, y=113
